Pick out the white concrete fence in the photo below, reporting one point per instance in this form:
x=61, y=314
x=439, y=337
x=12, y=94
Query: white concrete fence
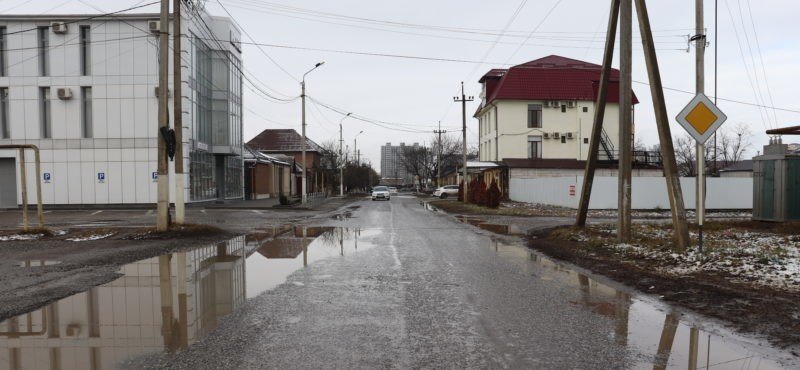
x=646, y=192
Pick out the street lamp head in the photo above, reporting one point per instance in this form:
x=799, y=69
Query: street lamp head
x=348, y=114
x=319, y=64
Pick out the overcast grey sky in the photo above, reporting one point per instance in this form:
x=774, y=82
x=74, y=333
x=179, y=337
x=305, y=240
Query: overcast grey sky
x=413, y=94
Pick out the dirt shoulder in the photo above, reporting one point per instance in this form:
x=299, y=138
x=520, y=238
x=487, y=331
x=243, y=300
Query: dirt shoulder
x=81, y=250
x=753, y=302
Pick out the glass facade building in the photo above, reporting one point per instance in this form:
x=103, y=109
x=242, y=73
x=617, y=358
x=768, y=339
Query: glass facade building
x=216, y=170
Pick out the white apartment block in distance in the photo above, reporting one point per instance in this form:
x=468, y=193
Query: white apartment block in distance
x=83, y=88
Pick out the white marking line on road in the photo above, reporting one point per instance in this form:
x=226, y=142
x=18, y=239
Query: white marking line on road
x=255, y=211
x=202, y=211
x=46, y=212
x=96, y=212
x=149, y=212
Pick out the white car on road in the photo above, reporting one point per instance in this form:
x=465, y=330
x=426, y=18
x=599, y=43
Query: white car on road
x=392, y=190
x=446, y=191
x=380, y=192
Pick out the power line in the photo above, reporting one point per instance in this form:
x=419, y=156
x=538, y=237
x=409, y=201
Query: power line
x=761, y=58
x=259, y=47
x=534, y=30
x=87, y=18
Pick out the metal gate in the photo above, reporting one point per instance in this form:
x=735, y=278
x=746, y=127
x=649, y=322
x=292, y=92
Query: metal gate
x=8, y=183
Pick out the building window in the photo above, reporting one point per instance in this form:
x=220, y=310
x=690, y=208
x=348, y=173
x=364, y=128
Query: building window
x=586, y=140
x=563, y=108
x=44, y=44
x=563, y=139
x=5, y=130
x=85, y=56
x=44, y=112
x=86, y=111
x=3, y=43
x=534, y=147
x=534, y=115
x=585, y=109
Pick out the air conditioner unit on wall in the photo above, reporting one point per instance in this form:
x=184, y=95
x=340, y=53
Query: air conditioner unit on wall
x=154, y=26
x=556, y=135
x=58, y=27
x=570, y=136
x=546, y=135
x=64, y=93
x=555, y=104
x=547, y=103
x=571, y=104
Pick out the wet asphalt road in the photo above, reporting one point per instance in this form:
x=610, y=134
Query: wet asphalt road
x=430, y=293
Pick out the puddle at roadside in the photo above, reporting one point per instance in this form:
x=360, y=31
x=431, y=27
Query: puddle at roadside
x=495, y=228
x=37, y=263
x=657, y=337
x=165, y=303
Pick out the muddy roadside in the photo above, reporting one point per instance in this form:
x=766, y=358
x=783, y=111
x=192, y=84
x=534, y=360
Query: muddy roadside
x=753, y=308
x=40, y=268
x=759, y=309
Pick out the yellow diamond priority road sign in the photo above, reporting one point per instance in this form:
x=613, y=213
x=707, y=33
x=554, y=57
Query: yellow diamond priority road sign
x=701, y=118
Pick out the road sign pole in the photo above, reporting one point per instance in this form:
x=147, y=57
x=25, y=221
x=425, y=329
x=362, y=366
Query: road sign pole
x=700, y=48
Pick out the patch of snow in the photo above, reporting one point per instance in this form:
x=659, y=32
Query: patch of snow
x=90, y=237
x=6, y=238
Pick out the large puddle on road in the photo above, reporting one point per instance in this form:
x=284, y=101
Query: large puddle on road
x=165, y=303
x=665, y=339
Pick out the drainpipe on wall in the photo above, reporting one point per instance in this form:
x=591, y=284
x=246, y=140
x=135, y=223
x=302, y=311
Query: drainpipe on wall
x=496, y=135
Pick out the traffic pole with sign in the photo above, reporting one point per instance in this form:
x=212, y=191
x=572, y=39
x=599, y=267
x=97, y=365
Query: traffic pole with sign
x=701, y=118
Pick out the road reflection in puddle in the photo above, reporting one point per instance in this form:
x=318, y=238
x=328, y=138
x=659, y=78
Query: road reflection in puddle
x=657, y=338
x=277, y=258
x=165, y=303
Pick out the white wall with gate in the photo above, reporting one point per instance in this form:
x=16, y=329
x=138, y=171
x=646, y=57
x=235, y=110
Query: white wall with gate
x=646, y=192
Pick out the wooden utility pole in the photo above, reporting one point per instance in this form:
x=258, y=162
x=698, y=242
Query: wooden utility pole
x=674, y=192
x=662, y=122
x=180, y=210
x=625, y=122
x=162, y=217
x=464, y=99
x=439, y=155
x=700, y=87
x=599, y=115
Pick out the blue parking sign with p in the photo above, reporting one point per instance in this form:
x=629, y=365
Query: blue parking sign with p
x=101, y=176
x=46, y=176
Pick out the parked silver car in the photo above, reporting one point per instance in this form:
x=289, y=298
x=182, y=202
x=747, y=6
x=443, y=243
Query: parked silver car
x=380, y=192
x=446, y=191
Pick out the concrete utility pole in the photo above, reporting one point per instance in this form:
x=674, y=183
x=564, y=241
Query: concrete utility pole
x=625, y=123
x=180, y=211
x=700, y=87
x=439, y=156
x=162, y=217
x=304, y=144
x=355, y=149
x=464, y=101
x=341, y=163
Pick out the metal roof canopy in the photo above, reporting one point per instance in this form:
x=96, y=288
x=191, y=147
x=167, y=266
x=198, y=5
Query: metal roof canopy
x=793, y=130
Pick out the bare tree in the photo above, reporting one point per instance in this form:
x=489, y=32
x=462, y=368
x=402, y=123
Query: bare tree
x=732, y=144
x=685, y=158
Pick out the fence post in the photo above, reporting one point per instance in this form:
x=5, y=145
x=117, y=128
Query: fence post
x=24, y=182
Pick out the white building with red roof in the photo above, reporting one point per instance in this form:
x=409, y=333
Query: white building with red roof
x=544, y=109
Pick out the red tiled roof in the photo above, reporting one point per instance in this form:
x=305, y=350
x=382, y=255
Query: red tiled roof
x=281, y=141
x=552, y=78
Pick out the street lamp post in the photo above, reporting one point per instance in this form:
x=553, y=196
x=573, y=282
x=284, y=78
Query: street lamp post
x=304, y=144
x=355, y=148
x=341, y=157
